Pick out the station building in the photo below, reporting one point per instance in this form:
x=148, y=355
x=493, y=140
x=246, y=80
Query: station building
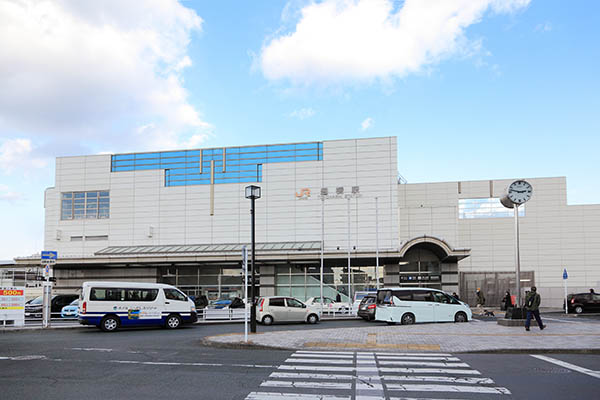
x=180, y=217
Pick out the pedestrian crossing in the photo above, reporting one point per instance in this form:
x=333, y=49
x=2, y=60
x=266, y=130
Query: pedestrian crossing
x=339, y=375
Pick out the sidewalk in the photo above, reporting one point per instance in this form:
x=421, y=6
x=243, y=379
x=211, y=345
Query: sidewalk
x=447, y=337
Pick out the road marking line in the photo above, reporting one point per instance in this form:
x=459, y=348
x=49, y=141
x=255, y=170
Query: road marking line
x=447, y=379
x=325, y=352
x=595, y=374
x=191, y=364
x=448, y=388
x=415, y=354
x=321, y=368
x=318, y=361
x=323, y=355
x=300, y=375
x=91, y=349
x=418, y=358
x=424, y=363
x=430, y=371
x=307, y=385
x=292, y=396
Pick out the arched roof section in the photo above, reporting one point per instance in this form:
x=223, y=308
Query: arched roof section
x=438, y=246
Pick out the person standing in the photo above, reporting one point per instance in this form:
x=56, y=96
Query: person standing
x=507, y=300
x=592, y=291
x=455, y=296
x=532, y=305
x=480, y=301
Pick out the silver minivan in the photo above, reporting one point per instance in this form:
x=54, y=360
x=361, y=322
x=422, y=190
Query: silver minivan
x=410, y=305
x=285, y=309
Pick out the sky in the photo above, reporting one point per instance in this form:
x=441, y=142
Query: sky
x=473, y=89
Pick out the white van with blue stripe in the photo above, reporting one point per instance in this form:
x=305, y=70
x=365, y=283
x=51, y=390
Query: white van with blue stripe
x=112, y=305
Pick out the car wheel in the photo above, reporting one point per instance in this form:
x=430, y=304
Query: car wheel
x=578, y=310
x=460, y=317
x=408, y=319
x=173, y=321
x=110, y=323
x=267, y=320
x=313, y=319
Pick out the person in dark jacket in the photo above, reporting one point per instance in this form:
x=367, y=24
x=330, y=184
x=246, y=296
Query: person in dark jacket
x=455, y=296
x=507, y=300
x=532, y=305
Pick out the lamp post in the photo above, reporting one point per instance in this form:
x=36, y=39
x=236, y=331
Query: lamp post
x=253, y=193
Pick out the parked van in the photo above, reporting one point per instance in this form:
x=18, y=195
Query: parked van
x=410, y=305
x=111, y=305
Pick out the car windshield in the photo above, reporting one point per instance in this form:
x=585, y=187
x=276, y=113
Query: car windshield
x=36, y=301
x=74, y=302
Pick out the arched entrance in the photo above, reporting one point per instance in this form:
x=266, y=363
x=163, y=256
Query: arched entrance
x=426, y=261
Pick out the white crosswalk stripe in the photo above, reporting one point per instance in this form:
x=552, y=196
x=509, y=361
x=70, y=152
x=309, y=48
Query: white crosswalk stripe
x=322, y=375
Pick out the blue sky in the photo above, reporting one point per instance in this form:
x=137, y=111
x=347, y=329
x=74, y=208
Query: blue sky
x=473, y=89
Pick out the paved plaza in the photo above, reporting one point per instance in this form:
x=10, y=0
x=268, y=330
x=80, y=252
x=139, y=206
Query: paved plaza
x=448, y=337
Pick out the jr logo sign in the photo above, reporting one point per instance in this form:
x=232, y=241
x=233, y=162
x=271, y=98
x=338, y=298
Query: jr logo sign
x=304, y=194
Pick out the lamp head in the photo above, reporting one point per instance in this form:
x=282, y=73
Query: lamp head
x=253, y=192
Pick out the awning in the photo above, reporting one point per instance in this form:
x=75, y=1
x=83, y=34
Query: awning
x=200, y=249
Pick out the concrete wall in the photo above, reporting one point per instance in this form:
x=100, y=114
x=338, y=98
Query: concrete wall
x=554, y=235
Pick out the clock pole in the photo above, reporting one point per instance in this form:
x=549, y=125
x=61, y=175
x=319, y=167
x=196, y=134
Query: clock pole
x=517, y=256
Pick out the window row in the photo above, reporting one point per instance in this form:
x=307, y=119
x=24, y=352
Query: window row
x=485, y=208
x=85, y=205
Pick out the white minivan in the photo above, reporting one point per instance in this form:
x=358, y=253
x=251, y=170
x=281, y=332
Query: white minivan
x=410, y=305
x=110, y=305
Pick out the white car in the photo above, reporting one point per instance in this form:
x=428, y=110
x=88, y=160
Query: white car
x=410, y=305
x=285, y=309
x=329, y=305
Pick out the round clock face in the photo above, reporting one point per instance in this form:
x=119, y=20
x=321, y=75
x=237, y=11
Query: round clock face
x=519, y=192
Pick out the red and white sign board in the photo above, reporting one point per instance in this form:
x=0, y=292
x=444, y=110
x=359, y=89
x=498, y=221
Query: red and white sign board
x=12, y=306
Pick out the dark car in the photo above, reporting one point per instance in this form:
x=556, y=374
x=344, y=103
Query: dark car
x=33, y=308
x=366, y=308
x=583, y=302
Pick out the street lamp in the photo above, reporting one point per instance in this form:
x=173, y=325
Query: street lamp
x=253, y=193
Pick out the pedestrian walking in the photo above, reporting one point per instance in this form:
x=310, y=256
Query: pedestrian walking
x=480, y=301
x=455, y=296
x=532, y=305
x=507, y=300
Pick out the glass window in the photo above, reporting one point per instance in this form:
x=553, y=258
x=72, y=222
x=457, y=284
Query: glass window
x=404, y=295
x=141, y=294
x=174, y=294
x=422, y=295
x=108, y=294
x=89, y=205
x=439, y=297
x=294, y=303
x=276, y=302
x=485, y=208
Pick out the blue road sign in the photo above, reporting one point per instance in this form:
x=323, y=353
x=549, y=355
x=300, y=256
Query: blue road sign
x=49, y=255
x=565, y=275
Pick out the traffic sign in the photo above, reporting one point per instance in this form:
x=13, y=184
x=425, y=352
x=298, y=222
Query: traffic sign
x=49, y=257
x=565, y=275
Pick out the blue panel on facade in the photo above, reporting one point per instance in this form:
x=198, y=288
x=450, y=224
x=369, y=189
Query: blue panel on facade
x=243, y=164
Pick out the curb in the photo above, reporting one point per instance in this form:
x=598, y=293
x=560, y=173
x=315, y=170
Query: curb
x=253, y=346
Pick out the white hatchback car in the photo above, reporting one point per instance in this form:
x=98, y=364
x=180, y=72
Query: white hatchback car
x=285, y=309
x=329, y=305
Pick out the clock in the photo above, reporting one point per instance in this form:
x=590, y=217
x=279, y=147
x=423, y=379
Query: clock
x=520, y=192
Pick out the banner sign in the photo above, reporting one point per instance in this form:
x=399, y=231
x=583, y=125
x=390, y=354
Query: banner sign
x=12, y=306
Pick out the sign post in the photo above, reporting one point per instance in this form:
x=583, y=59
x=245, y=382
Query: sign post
x=565, y=277
x=47, y=259
x=245, y=272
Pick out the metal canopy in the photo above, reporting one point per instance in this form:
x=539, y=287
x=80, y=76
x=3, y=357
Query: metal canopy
x=208, y=248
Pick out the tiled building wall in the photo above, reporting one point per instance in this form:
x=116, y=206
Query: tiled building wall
x=554, y=235
x=145, y=212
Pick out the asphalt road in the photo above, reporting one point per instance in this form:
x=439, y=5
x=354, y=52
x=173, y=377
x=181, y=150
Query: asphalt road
x=161, y=364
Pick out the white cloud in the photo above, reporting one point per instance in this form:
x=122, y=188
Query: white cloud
x=345, y=41
x=8, y=195
x=545, y=27
x=366, y=124
x=18, y=154
x=302, y=113
x=93, y=71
